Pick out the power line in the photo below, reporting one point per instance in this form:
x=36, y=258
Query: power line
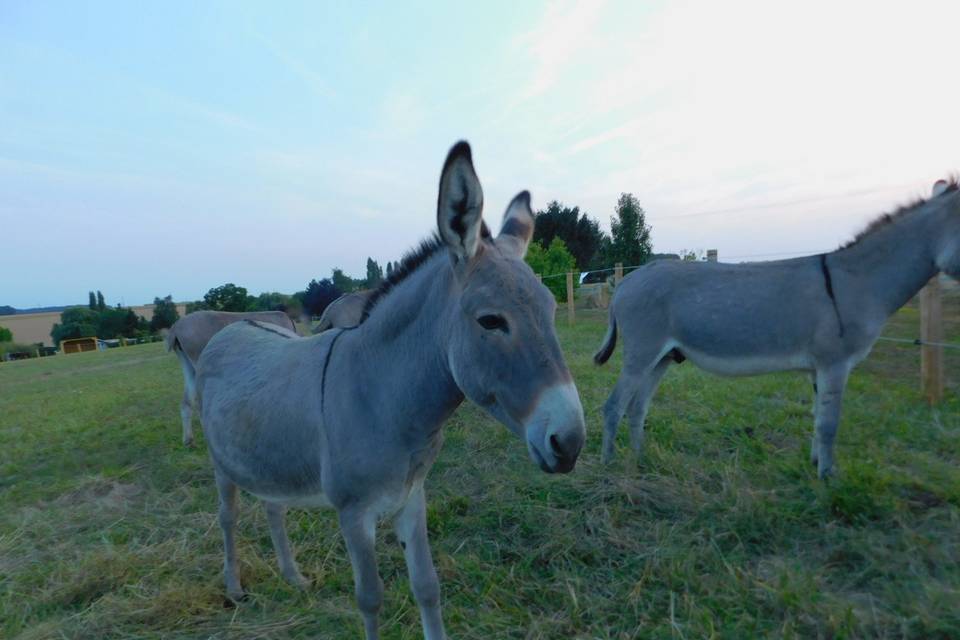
x=786, y=203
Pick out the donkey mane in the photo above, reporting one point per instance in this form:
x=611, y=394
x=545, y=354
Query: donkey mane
x=953, y=185
x=410, y=262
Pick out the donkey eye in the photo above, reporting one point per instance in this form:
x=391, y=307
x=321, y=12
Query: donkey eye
x=493, y=323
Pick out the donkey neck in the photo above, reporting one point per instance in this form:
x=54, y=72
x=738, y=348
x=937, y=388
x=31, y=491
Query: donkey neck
x=399, y=353
x=894, y=261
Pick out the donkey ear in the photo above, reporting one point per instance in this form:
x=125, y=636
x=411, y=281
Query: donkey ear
x=518, y=221
x=940, y=186
x=460, y=203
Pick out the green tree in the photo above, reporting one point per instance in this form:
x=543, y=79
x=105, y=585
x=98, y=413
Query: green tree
x=580, y=233
x=75, y=322
x=101, y=305
x=195, y=305
x=114, y=322
x=345, y=283
x=164, y=314
x=553, y=261
x=228, y=297
x=374, y=273
x=272, y=301
x=318, y=295
x=6, y=335
x=630, y=234
x=93, y=301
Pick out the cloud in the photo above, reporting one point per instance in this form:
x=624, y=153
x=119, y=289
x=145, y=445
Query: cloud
x=566, y=29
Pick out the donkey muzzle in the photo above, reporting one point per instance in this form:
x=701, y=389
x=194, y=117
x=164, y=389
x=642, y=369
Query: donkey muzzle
x=555, y=430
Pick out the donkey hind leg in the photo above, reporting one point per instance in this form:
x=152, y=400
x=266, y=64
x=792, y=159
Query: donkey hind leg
x=186, y=416
x=359, y=528
x=613, y=411
x=189, y=393
x=830, y=386
x=637, y=411
x=276, y=513
x=228, y=522
x=411, y=528
x=636, y=370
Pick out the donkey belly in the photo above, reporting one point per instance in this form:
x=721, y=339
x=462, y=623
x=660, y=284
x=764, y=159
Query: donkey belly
x=273, y=459
x=746, y=364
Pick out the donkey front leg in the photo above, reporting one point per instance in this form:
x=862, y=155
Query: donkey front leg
x=359, y=532
x=411, y=528
x=228, y=522
x=276, y=513
x=830, y=384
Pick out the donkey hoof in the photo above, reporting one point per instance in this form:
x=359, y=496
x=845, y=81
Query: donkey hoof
x=188, y=442
x=238, y=597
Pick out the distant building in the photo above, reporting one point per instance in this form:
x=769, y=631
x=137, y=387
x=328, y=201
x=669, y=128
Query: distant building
x=78, y=345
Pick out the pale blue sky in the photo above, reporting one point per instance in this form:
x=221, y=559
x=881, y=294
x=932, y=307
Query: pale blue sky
x=169, y=148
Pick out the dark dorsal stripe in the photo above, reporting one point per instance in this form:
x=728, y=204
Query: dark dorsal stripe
x=262, y=327
x=828, y=283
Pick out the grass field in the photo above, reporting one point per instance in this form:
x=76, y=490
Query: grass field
x=108, y=527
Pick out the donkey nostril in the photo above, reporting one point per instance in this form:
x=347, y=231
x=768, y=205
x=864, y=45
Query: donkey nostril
x=556, y=448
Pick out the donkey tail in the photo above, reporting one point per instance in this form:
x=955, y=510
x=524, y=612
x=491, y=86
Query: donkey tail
x=170, y=340
x=609, y=341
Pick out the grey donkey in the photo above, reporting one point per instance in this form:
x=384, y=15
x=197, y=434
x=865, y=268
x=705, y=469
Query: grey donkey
x=352, y=418
x=344, y=312
x=191, y=333
x=820, y=314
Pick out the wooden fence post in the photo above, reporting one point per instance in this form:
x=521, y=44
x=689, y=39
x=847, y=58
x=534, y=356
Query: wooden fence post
x=571, y=312
x=711, y=255
x=617, y=273
x=931, y=330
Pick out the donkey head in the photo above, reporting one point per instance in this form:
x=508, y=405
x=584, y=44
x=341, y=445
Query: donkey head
x=502, y=350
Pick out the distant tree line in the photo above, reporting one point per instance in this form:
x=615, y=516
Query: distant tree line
x=565, y=239
x=311, y=301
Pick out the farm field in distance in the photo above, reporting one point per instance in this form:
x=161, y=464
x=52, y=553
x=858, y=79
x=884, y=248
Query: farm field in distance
x=108, y=524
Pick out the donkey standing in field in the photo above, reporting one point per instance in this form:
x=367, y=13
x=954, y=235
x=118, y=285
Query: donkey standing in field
x=345, y=312
x=819, y=314
x=352, y=418
x=191, y=333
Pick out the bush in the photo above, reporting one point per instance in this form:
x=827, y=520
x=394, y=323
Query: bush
x=16, y=347
x=553, y=261
x=6, y=335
